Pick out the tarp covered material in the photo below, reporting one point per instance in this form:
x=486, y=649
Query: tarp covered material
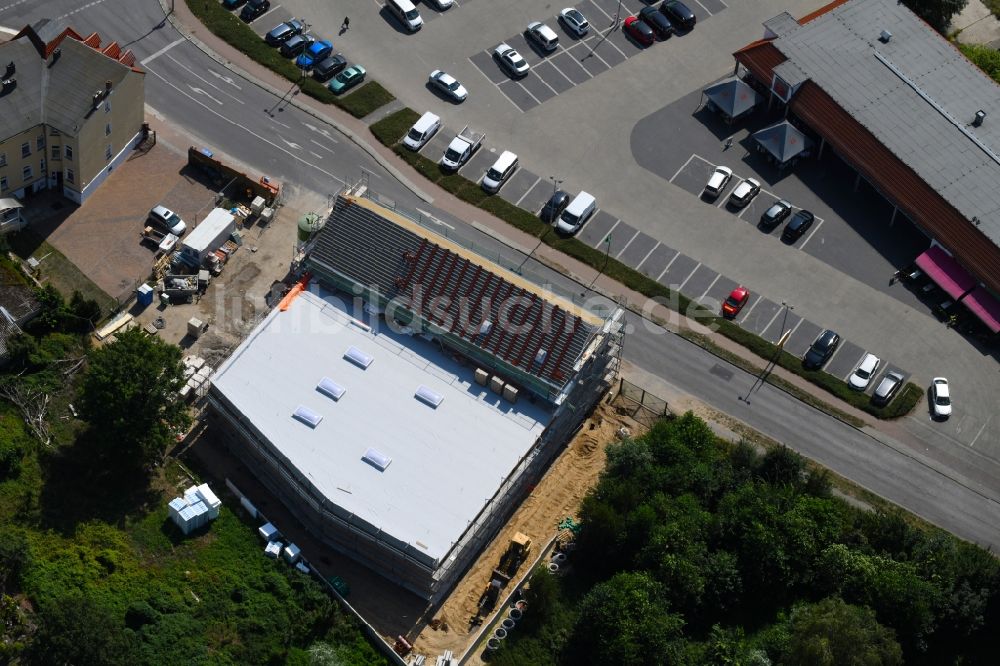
x=783, y=141
x=732, y=97
x=945, y=272
x=985, y=306
x=8, y=203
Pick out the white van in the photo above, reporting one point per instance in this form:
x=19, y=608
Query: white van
x=502, y=169
x=577, y=213
x=407, y=13
x=422, y=131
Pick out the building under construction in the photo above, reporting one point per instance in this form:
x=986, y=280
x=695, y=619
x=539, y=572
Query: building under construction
x=405, y=400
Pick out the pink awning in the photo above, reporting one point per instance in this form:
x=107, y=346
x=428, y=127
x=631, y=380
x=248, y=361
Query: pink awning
x=982, y=304
x=945, y=271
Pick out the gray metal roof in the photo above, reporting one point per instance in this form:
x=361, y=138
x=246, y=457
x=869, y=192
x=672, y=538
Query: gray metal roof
x=733, y=96
x=783, y=140
x=915, y=92
x=58, y=94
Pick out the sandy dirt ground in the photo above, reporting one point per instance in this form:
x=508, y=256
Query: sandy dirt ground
x=557, y=496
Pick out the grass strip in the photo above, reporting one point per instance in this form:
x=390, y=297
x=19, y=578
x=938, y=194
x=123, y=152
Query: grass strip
x=387, y=131
x=228, y=27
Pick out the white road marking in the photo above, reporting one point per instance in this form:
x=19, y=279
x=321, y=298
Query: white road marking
x=327, y=149
x=833, y=355
x=151, y=58
x=316, y=155
x=601, y=239
x=717, y=276
x=636, y=235
x=79, y=9
x=206, y=81
x=668, y=266
x=974, y=439
x=322, y=130
x=776, y=313
x=569, y=80
x=227, y=79
x=206, y=94
x=680, y=287
x=247, y=129
x=704, y=7
x=290, y=144
x=272, y=9
x=11, y=6
x=278, y=122
x=809, y=237
x=746, y=313
x=682, y=167
x=518, y=203
x=655, y=245
x=434, y=219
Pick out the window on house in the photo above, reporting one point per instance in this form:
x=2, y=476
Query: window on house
x=107, y=152
x=41, y=166
x=3, y=159
x=25, y=149
x=107, y=130
x=69, y=152
x=69, y=176
x=54, y=132
x=56, y=152
x=27, y=172
x=107, y=106
x=3, y=183
x=40, y=143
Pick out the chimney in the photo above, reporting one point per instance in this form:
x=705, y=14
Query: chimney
x=107, y=88
x=885, y=36
x=10, y=70
x=980, y=117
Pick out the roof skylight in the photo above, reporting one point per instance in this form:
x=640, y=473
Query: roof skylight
x=358, y=357
x=307, y=416
x=330, y=388
x=429, y=396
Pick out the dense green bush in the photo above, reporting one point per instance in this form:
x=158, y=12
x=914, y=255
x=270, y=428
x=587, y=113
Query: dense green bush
x=695, y=551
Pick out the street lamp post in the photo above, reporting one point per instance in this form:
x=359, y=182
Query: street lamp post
x=782, y=338
x=556, y=182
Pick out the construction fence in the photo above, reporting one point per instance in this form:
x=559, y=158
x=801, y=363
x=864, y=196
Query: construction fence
x=639, y=403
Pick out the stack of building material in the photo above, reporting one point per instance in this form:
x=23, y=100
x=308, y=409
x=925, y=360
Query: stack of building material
x=196, y=508
x=196, y=374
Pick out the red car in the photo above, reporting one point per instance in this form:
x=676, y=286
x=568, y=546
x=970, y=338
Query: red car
x=639, y=31
x=737, y=299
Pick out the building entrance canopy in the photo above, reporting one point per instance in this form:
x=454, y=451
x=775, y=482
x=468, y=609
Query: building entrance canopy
x=945, y=272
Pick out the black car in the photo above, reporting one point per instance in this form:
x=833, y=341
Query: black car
x=253, y=9
x=821, y=350
x=283, y=32
x=775, y=215
x=556, y=204
x=658, y=21
x=678, y=13
x=800, y=223
x=329, y=67
x=296, y=45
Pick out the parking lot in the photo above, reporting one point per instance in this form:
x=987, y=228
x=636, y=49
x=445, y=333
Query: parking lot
x=576, y=60
x=675, y=270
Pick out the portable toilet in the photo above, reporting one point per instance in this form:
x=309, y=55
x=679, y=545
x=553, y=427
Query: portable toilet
x=144, y=294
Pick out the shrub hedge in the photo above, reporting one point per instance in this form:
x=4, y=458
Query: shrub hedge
x=228, y=27
x=390, y=129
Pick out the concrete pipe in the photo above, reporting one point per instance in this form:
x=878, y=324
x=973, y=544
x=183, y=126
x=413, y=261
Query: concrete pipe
x=492, y=645
x=508, y=624
x=500, y=633
x=559, y=558
x=553, y=568
x=521, y=606
x=514, y=615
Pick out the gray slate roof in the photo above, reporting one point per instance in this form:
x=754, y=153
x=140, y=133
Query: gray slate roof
x=58, y=95
x=916, y=93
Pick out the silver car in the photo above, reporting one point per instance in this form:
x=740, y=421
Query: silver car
x=168, y=220
x=574, y=21
x=448, y=85
x=511, y=61
x=887, y=388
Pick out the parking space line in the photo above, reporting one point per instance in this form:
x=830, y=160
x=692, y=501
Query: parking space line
x=809, y=237
x=746, y=313
x=602, y=238
x=569, y=80
x=776, y=313
x=683, y=166
x=717, y=276
x=518, y=203
x=267, y=13
x=627, y=244
x=647, y=255
x=601, y=9
x=711, y=164
x=974, y=439
x=833, y=355
x=680, y=287
x=704, y=7
x=590, y=53
x=856, y=363
x=794, y=328
x=668, y=267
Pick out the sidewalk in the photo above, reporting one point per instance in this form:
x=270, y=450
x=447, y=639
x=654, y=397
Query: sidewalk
x=976, y=25
x=357, y=131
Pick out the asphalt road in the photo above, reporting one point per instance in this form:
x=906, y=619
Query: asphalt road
x=221, y=110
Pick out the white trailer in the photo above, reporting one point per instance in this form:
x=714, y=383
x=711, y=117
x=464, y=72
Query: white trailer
x=207, y=236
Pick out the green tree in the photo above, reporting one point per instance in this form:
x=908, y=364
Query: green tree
x=129, y=397
x=834, y=633
x=625, y=620
x=77, y=630
x=936, y=12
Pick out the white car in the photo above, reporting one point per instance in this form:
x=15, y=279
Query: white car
x=511, y=61
x=447, y=84
x=744, y=192
x=862, y=375
x=574, y=21
x=940, y=398
x=168, y=220
x=442, y=4
x=544, y=36
x=718, y=180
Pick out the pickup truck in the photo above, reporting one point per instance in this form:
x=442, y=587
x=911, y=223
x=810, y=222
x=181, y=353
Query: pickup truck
x=462, y=148
x=164, y=241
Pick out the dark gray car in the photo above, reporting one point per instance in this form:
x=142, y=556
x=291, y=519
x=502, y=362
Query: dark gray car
x=283, y=32
x=821, y=350
x=887, y=388
x=329, y=67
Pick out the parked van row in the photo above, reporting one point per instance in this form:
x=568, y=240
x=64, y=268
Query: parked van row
x=568, y=215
